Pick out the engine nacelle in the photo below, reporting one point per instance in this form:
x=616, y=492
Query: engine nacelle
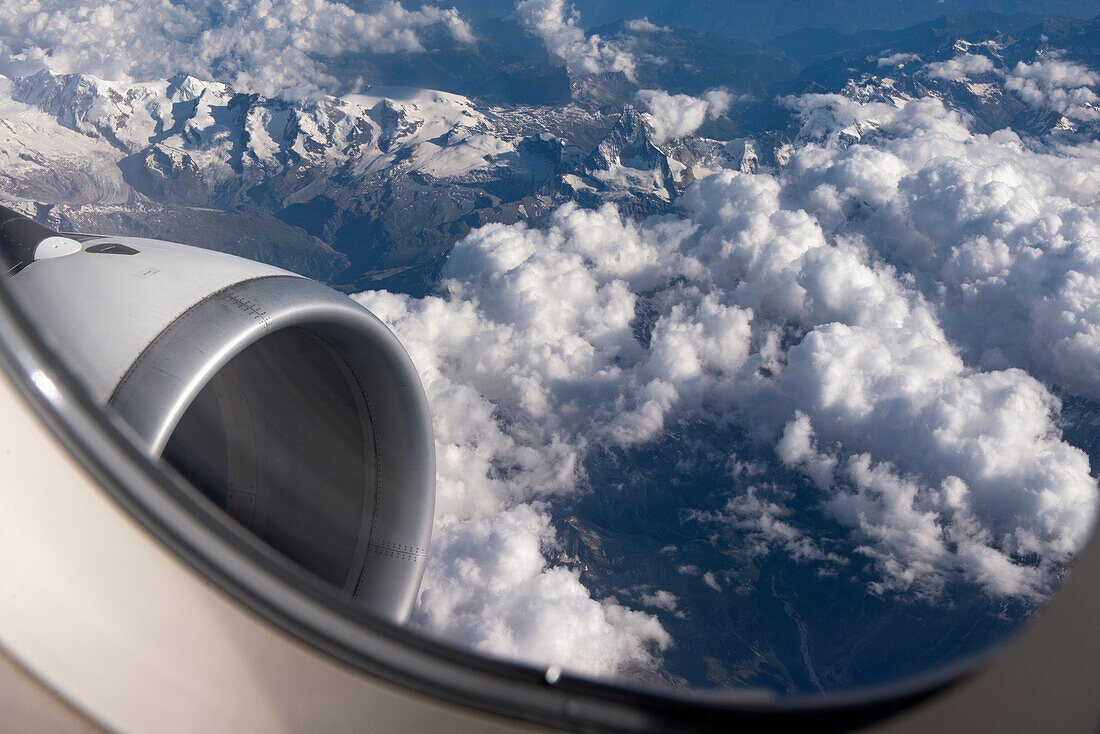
x=287, y=404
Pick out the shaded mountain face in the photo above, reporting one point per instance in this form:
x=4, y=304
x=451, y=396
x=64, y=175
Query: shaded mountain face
x=629, y=147
x=409, y=168
x=691, y=61
x=683, y=61
x=628, y=143
x=808, y=45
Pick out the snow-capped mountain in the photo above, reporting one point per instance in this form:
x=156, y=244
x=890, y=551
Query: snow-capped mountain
x=382, y=181
x=628, y=161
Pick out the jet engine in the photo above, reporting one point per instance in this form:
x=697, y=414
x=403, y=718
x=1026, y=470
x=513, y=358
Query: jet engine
x=290, y=406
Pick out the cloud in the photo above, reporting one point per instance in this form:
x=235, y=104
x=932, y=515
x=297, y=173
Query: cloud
x=796, y=448
x=878, y=376
x=997, y=231
x=969, y=470
x=676, y=115
x=557, y=23
x=768, y=530
x=897, y=59
x=1063, y=86
x=661, y=600
x=529, y=357
x=489, y=586
x=916, y=517
x=532, y=354
x=273, y=47
x=643, y=25
x=888, y=321
x=959, y=68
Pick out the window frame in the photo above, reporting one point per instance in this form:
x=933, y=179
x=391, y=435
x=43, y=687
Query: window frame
x=301, y=606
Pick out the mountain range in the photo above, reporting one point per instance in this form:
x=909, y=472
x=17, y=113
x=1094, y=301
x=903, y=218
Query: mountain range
x=372, y=189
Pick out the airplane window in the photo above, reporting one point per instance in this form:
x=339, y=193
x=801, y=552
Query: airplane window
x=685, y=348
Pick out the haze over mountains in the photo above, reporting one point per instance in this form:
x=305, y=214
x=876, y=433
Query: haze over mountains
x=761, y=339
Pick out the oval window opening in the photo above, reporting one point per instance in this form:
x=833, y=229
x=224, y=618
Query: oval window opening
x=705, y=348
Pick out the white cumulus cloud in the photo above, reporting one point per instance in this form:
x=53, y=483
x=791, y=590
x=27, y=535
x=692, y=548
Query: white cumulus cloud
x=644, y=25
x=961, y=67
x=557, y=23
x=675, y=115
x=489, y=586
x=893, y=316
x=1054, y=84
x=892, y=319
x=271, y=46
x=661, y=599
x=897, y=59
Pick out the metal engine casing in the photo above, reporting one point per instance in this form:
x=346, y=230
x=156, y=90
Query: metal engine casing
x=288, y=404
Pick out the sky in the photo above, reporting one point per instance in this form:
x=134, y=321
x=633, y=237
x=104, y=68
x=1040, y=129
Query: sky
x=896, y=315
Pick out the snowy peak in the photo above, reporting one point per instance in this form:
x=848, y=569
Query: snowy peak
x=188, y=114
x=630, y=144
x=411, y=114
x=217, y=145
x=126, y=115
x=627, y=159
x=186, y=88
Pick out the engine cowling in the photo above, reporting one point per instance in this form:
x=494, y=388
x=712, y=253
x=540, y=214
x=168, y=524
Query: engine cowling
x=289, y=405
